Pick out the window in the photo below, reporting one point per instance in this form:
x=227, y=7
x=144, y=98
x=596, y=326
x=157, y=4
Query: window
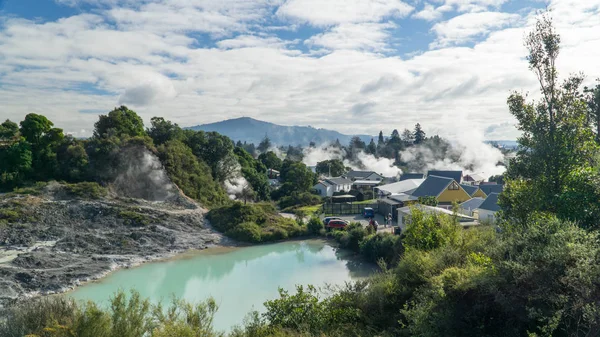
x=453, y=186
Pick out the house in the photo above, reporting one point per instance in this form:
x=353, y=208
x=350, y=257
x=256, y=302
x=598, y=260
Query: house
x=445, y=190
x=469, y=207
x=365, y=185
x=474, y=191
x=407, y=176
x=404, y=214
x=487, y=210
x=489, y=188
x=327, y=187
x=473, y=179
x=391, y=203
x=405, y=186
x=363, y=175
x=272, y=174
x=456, y=175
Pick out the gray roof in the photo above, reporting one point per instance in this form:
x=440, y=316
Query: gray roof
x=470, y=189
x=406, y=176
x=359, y=174
x=456, y=175
x=338, y=181
x=472, y=203
x=432, y=186
x=491, y=203
x=489, y=188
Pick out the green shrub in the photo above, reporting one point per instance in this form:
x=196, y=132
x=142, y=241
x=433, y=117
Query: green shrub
x=315, y=225
x=384, y=246
x=299, y=200
x=36, y=189
x=134, y=219
x=9, y=215
x=246, y=231
x=86, y=190
x=227, y=217
x=352, y=236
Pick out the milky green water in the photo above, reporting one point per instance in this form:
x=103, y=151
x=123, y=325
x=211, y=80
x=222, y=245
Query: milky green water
x=239, y=279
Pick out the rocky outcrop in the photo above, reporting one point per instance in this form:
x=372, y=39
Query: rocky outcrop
x=59, y=242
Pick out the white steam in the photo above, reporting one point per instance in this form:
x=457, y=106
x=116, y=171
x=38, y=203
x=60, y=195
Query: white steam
x=314, y=155
x=141, y=175
x=368, y=162
x=235, y=184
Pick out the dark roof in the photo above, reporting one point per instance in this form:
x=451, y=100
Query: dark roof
x=491, y=203
x=359, y=174
x=470, y=189
x=489, y=188
x=432, y=186
x=338, y=181
x=456, y=175
x=406, y=176
x=472, y=204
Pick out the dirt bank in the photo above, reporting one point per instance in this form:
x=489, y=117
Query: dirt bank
x=54, y=242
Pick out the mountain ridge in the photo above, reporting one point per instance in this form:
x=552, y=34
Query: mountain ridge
x=251, y=130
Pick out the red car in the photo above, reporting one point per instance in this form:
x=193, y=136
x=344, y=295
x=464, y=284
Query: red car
x=337, y=224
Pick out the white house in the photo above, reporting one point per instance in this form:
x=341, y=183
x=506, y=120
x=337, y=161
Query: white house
x=327, y=187
x=363, y=175
x=488, y=209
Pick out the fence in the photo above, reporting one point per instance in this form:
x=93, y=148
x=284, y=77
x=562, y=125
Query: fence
x=346, y=208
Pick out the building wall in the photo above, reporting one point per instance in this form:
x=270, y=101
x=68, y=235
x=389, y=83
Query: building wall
x=486, y=216
x=324, y=191
x=459, y=195
x=479, y=194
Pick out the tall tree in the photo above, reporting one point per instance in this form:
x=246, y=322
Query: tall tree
x=593, y=101
x=163, y=131
x=557, y=148
x=371, y=148
x=264, y=145
x=418, y=134
x=270, y=160
x=331, y=168
x=119, y=122
x=34, y=127
x=8, y=130
x=407, y=137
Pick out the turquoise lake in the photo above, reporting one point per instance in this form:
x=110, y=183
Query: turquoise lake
x=239, y=279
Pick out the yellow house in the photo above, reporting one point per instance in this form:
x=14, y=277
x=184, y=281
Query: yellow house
x=445, y=190
x=474, y=191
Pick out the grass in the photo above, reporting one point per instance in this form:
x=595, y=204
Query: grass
x=310, y=210
x=135, y=219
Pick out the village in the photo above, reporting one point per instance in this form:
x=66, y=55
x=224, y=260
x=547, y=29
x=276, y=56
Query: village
x=369, y=197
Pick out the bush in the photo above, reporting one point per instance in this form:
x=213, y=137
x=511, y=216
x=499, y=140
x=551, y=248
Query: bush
x=134, y=219
x=353, y=236
x=246, y=231
x=85, y=190
x=299, y=200
x=315, y=225
x=384, y=246
x=9, y=215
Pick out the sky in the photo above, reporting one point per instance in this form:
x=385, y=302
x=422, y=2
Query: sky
x=355, y=66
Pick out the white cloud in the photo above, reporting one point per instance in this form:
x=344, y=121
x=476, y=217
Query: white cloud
x=332, y=12
x=431, y=13
x=474, y=5
x=359, y=36
x=466, y=27
x=91, y=62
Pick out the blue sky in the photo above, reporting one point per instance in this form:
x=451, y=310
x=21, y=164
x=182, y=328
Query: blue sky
x=357, y=66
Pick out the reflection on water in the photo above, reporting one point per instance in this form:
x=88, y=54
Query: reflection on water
x=238, y=279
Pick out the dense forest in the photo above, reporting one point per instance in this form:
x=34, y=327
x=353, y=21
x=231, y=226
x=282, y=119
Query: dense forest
x=538, y=274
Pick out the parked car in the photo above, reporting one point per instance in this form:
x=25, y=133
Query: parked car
x=336, y=224
x=329, y=218
x=368, y=212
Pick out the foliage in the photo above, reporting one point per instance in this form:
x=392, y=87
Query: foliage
x=265, y=145
x=135, y=219
x=382, y=246
x=418, y=135
x=253, y=222
x=429, y=231
x=315, y=225
x=299, y=200
x=331, y=167
x=190, y=174
x=556, y=138
x=429, y=201
x=270, y=160
x=119, y=122
x=127, y=316
x=254, y=171
x=85, y=190
x=163, y=131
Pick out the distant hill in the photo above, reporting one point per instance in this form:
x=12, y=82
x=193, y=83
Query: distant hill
x=253, y=131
